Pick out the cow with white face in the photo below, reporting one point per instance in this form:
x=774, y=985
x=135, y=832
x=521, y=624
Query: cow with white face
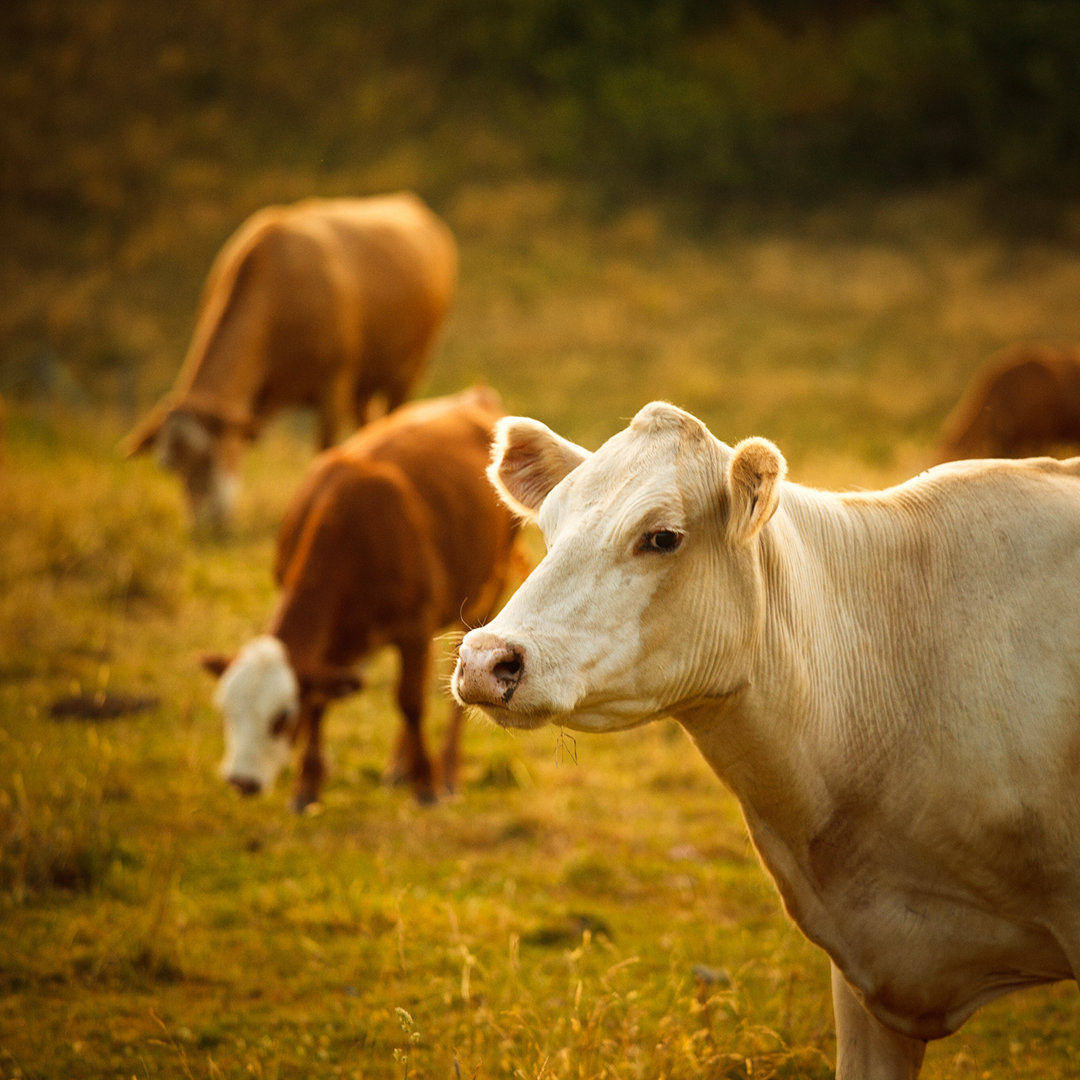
x=333, y=305
x=389, y=538
x=259, y=684
x=889, y=682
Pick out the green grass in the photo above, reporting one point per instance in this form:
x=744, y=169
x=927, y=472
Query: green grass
x=586, y=907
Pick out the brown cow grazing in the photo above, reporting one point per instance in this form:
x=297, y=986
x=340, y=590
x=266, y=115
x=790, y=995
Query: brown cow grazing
x=392, y=536
x=326, y=304
x=1025, y=401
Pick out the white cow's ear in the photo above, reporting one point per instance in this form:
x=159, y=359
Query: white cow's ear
x=756, y=473
x=527, y=460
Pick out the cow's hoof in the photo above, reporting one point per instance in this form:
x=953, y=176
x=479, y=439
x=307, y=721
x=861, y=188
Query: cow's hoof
x=427, y=797
x=307, y=804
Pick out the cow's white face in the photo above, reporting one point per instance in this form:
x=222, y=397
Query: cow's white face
x=650, y=595
x=259, y=698
x=186, y=446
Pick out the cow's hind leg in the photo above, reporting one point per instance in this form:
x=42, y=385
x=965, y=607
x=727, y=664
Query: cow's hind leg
x=363, y=409
x=411, y=758
x=334, y=409
x=865, y=1048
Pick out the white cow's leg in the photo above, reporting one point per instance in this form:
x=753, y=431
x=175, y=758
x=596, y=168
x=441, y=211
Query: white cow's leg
x=865, y=1048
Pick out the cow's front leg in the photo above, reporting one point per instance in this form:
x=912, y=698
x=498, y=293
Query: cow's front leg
x=411, y=758
x=865, y=1048
x=451, y=750
x=312, y=769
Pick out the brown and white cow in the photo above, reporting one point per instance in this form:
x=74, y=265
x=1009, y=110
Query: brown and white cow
x=326, y=304
x=392, y=536
x=1025, y=400
x=889, y=682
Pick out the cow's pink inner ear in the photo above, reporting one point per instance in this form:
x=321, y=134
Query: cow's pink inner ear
x=528, y=460
x=758, y=470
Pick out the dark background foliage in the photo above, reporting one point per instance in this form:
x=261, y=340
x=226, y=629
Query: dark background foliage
x=135, y=135
x=788, y=97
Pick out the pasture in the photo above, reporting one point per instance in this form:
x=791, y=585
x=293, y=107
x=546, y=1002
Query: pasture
x=585, y=907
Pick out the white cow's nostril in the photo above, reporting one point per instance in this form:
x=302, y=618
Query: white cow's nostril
x=489, y=675
x=507, y=670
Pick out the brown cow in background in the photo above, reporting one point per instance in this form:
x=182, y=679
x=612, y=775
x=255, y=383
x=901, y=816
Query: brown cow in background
x=392, y=536
x=1025, y=401
x=326, y=304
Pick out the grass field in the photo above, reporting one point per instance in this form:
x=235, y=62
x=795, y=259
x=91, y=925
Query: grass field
x=587, y=907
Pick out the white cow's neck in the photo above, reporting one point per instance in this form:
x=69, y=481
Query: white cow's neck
x=843, y=736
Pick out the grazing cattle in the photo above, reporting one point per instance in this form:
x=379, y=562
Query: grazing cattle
x=393, y=535
x=1024, y=401
x=889, y=682
x=326, y=304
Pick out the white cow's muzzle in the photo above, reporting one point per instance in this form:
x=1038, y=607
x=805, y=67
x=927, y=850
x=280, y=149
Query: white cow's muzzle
x=489, y=670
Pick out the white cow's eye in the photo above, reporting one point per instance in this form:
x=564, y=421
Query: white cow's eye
x=663, y=541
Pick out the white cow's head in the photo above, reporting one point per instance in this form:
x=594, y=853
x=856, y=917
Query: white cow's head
x=650, y=595
x=259, y=698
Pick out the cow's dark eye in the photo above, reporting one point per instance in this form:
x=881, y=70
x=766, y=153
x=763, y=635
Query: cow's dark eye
x=280, y=725
x=662, y=540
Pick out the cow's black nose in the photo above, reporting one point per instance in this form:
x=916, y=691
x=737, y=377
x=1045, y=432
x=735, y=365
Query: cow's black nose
x=246, y=785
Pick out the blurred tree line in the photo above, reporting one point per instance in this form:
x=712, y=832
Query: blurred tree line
x=135, y=135
x=773, y=97
x=799, y=98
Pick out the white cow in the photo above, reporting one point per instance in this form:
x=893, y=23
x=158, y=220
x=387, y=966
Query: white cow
x=889, y=682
